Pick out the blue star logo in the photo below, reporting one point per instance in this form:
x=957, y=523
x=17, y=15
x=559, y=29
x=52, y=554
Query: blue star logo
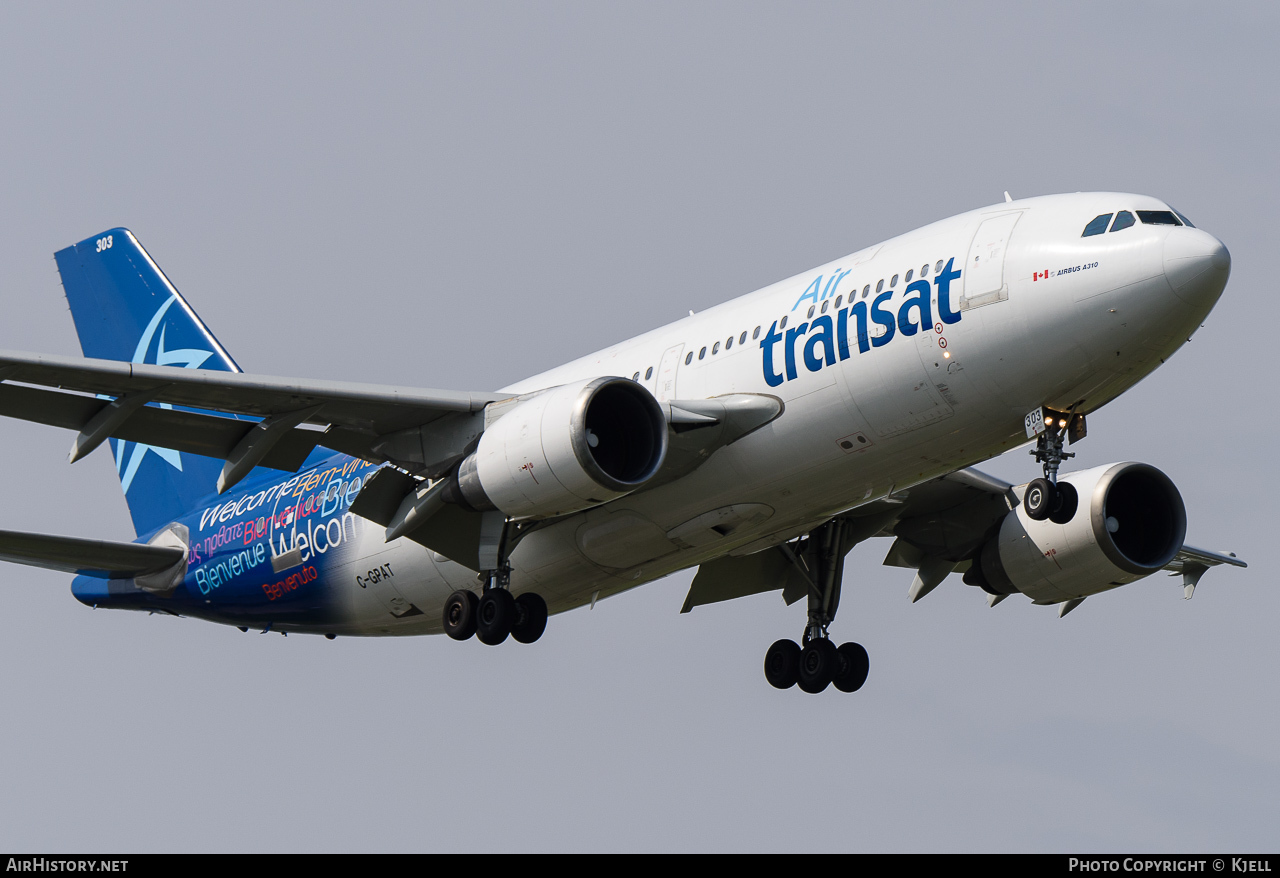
x=187, y=358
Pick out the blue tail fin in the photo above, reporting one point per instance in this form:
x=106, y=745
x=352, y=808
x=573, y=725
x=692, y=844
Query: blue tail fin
x=126, y=309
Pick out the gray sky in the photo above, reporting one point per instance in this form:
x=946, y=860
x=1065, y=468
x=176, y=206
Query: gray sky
x=458, y=196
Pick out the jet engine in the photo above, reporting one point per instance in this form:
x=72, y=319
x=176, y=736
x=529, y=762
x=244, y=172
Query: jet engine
x=565, y=449
x=1129, y=522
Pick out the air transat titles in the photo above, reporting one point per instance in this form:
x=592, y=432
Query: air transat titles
x=824, y=341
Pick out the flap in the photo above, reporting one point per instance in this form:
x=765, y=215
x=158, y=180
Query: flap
x=727, y=578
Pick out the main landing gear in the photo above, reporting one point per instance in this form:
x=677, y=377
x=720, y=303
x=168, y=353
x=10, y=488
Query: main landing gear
x=495, y=614
x=1045, y=497
x=816, y=662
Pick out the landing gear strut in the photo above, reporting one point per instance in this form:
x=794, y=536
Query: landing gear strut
x=817, y=663
x=1046, y=497
x=496, y=614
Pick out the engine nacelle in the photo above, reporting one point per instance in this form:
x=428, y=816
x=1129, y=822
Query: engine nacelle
x=1129, y=523
x=566, y=449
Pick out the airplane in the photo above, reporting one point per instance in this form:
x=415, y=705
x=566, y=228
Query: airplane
x=759, y=441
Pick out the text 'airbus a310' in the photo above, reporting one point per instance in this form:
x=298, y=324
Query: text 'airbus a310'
x=759, y=441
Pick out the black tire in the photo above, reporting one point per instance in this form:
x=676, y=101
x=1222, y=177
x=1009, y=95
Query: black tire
x=531, y=618
x=1041, y=499
x=819, y=661
x=854, y=665
x=1068, y=502
x=495, y=615
x=460, y=615
x=782, y=664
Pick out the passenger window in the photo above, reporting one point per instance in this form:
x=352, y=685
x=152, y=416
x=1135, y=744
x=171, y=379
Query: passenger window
x=824, y=306
x=648, y=373
x=728, y=344
x=937, y=268
x=702, y=354
x=635, y=377
x=1124, y=219
x=756, y=334
x=894, y=282
x=924, y=270
x=688, y=358
x=910, y=272
x=839, y=299
x=867, y=290
x=1097, y=225
x=810, y=314
x=743, y=340
x=1158, y=218
x=879, y=286
x=783, y=324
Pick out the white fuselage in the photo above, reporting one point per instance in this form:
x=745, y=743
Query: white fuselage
x=1036, y=315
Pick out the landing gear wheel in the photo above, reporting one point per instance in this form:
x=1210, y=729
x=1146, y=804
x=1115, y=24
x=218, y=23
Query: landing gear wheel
x=854, y=664
x=1068, y=501
x=1041, y=499
x=782, y=664
x=495, y=615
x=460, y=615
x=531, y=618
x=819, y=661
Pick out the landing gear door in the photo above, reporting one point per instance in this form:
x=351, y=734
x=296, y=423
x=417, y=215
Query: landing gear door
x=666, y=386
x=983, y=277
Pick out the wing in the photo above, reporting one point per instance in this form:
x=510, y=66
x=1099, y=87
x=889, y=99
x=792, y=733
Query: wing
x=952, y=515
x=943, y=519
x=247, y=420
x=937, y=528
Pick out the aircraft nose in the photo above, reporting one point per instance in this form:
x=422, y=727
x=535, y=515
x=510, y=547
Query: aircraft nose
x=1196, y=263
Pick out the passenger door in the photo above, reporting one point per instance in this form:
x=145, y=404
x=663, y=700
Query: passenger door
x=666, y=389
x=983, y=275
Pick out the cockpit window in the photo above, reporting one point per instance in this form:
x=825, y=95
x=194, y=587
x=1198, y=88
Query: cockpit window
x=1124, y=219
x=1097, y=225
x=1158, y=218
x=1185, y=221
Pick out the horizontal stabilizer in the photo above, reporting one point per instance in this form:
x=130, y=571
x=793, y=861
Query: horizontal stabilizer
x=101, y=558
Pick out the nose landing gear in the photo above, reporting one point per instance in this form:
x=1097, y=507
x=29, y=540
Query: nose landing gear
x=1046, y=497
x=818, y=663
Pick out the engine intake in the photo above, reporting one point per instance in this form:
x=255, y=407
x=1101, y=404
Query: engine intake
x=565, y=449
x=1130, y=523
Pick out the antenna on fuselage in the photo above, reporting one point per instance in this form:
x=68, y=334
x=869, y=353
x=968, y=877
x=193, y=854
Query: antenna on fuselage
x=1007, y=197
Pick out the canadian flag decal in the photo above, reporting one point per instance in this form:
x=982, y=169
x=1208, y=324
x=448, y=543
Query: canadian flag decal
x=1040, y=275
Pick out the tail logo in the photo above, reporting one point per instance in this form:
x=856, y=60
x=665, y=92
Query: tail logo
x=188, y=358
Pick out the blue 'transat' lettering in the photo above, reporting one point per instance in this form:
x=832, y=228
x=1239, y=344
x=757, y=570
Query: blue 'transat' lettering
x=821, y=342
